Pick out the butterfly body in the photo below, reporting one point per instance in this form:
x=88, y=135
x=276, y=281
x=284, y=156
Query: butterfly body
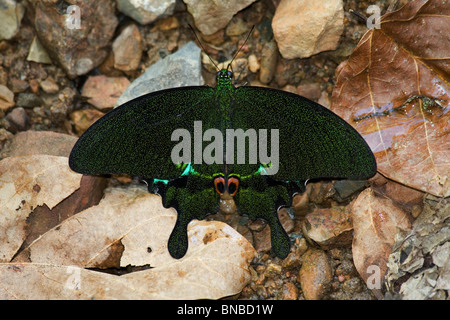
x=194, y=145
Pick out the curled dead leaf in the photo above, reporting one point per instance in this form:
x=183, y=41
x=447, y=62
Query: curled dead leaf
x=395, y=90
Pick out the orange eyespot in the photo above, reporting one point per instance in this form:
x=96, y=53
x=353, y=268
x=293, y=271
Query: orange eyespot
x=219, y=185
x=233, y=184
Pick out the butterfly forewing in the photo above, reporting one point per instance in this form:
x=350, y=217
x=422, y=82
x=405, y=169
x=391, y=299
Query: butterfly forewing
x=313, y=141
x=135, y=138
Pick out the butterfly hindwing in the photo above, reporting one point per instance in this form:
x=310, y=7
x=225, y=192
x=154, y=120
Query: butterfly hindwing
x=194, y=197
x=259, y=197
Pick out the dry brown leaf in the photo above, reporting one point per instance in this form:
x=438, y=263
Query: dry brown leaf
x=376, y=221
x=408, y=57
x=89, y=193
x=194, y=280
x=25, y=183
x=130, y=227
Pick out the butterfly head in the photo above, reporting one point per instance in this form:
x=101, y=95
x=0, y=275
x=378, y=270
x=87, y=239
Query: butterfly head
x=226, y=187
x=224, y=74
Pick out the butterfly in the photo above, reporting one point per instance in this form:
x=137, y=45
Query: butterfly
x=196, y=145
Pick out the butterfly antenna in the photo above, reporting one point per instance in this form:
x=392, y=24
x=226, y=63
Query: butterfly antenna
x=246, y=39
x=203, y=48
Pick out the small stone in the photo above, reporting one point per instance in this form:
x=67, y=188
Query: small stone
x=104, y=91
x=290, y=291
x=293, y=260
x=49, y=85
x=309, y=90
x=285, y=220
x=262, y=240
x=290, y=88
x=5, y=135
x=146, y=11
x=34, y=85
x=6, y=98
x=352, y=286
x=11, y=14
x=272, y=269
x=330, y=227
x=83, y=119
x=256, y=225
x=320, y=192
x=269, y=58
x=216, y=39
x=211, y=16
x=18, y=120
x=315, y=274
x=300, y=203
x=28, y=100
x=345, y=188
x=18, y=85
x=303, y=28
x=107, y=67
x=324, y=100
x=167, y=24
x=253, y=63
x=236, y=27
x=127, y=48
x=38, y=53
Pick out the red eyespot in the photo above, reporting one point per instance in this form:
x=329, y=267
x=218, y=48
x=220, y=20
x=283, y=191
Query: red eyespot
x=219, y=185
x=233, y=184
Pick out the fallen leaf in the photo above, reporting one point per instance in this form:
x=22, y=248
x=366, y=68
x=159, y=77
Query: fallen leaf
x=25, y=183
x=376, y=221
x=419, y=265
x=131, y=227
x=395, y=90
x=42, y=218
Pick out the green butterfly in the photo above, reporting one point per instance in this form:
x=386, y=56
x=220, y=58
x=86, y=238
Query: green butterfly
x=196, y=145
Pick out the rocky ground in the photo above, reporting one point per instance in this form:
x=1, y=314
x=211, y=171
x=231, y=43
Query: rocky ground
x=55, y=78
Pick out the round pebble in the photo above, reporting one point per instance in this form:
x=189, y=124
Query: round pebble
x=315, y=274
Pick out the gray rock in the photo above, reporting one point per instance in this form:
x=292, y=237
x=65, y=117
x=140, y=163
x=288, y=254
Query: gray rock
x=146, y=11
x=18, y=120
x=345, y=188
x=28, y=100
x=11, y=14
x=182, y=68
